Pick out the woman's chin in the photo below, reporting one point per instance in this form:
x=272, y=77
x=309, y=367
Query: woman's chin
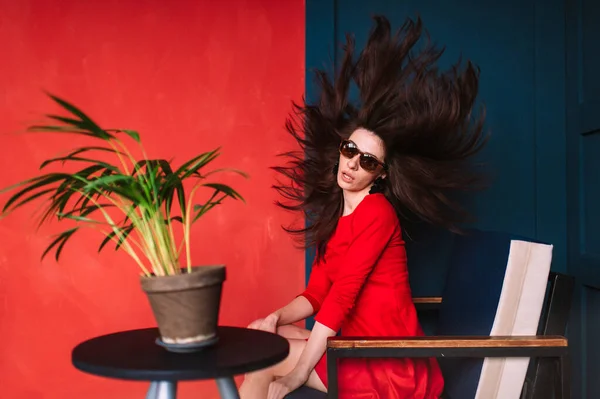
x=344, y=185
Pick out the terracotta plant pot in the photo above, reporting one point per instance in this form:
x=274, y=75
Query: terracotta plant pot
x=186, y=306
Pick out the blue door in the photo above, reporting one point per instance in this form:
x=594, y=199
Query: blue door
x=583, y=188
x=540, y=81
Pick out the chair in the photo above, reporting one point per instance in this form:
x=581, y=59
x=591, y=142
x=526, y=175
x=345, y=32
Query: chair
x=501, y=308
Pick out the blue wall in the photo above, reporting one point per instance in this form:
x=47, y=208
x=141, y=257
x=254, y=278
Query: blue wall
x=520, y=48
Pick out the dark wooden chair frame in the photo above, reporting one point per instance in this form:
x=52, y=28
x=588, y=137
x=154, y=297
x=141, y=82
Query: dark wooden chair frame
x=549, y=368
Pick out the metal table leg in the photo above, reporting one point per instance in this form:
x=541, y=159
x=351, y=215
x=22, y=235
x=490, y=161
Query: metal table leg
x=162, y=390
x=227, y=388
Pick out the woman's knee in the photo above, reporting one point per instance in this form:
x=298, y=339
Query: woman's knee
x=293, y=332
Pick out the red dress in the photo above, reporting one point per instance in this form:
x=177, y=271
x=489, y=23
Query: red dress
x=362, y=288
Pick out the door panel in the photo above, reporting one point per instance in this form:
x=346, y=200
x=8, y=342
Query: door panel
x=583, y=189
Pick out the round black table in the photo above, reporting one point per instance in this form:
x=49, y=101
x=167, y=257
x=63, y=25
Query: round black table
x=134, y=355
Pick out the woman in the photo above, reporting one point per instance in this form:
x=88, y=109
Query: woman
x=399, y=152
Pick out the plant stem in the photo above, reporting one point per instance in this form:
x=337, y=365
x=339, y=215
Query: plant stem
x=187, y=228
x=118, y=234
x=118, y=153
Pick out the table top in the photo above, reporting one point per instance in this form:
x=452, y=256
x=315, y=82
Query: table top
x=134, y=355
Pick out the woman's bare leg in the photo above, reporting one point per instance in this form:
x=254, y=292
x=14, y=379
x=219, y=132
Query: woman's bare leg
x=256, y=385
x=293, y=332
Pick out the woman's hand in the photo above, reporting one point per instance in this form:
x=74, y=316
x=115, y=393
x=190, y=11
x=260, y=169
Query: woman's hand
x=284, y=385
x=269, y=323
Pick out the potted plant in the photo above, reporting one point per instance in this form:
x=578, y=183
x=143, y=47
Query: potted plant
x=144, y=208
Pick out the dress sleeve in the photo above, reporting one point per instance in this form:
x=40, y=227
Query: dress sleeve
x=373, y=226
x=317, y=288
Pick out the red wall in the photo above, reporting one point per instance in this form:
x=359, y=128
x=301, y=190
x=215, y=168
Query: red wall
x=190, y=76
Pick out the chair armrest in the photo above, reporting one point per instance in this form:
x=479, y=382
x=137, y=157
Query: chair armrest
x=449, y=346
x=427, y=302
x=445, y=346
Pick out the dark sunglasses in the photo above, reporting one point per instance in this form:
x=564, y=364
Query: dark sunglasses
x=367, y=161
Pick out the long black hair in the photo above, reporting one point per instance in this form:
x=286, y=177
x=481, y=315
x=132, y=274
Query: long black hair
x=423, y=116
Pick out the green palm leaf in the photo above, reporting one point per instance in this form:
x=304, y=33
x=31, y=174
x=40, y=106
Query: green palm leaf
x=141, y=192
x=60, y=242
